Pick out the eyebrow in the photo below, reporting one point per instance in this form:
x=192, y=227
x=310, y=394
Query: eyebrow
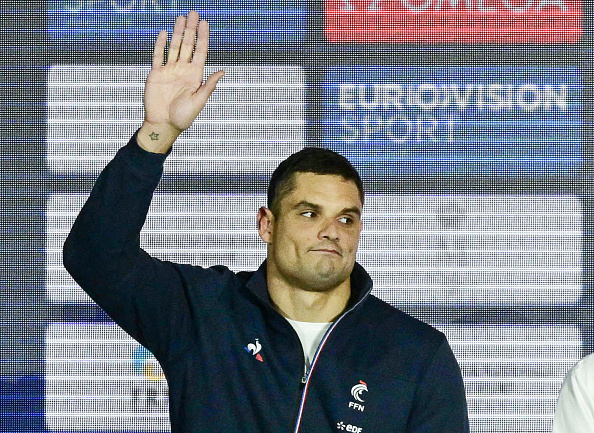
x=316, y=207
x=306, y=204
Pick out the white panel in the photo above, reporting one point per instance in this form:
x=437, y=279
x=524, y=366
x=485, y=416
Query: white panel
x=204, y=230
x=473, y=250
x=254, y=120
x=437, y=250
x=513, y=374
x=97, y=378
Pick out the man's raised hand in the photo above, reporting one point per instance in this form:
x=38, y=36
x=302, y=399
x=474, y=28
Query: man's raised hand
x=174, y=93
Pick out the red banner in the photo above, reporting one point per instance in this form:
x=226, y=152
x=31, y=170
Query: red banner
x=453, y=21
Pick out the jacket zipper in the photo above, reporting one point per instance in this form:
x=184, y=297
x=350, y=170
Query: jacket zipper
x=306, y=377
x=305, y=372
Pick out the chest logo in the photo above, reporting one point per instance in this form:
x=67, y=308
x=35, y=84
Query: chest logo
x=356, y=392
x=348, y=427
x=358, y=389
x=254, y=349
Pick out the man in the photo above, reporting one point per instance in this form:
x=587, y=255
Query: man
x=299, y=345
x=575, y=405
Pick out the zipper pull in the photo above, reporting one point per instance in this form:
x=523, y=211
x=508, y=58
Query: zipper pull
x=305, y=371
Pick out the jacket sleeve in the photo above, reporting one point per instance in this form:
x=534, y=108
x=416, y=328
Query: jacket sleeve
x=145, y=296
x=575, y=406
x=440, y=401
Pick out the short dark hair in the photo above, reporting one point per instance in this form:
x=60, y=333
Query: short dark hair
x=309, y=160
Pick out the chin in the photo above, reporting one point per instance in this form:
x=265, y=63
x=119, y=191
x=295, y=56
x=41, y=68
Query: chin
x=324, y=282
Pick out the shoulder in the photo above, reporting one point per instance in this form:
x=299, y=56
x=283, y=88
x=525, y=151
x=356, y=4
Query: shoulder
x=387, y=321
x=381, y=315
x=574, y=410
x=396, y=346
x=583, y=371
x=212, y=282
x=408, y=345
x=585, y=364
x=215, y=274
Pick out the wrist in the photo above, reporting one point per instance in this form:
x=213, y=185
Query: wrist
x=156, y=138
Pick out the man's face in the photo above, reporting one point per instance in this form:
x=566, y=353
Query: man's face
x=313, y=240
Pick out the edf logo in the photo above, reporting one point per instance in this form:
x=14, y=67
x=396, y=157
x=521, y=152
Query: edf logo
x=348, y=427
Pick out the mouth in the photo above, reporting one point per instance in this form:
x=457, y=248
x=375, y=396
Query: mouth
x=327, y=251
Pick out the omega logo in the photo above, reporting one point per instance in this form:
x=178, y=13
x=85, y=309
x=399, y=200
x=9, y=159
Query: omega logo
x=517, y=6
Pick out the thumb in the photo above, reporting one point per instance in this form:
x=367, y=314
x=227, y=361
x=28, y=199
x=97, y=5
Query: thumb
x=211, y=83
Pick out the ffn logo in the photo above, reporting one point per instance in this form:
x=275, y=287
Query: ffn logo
x=358, y=389
x=356, y=392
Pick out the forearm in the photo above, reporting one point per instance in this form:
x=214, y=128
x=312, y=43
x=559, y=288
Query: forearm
x=104, y=241
x=145, y=296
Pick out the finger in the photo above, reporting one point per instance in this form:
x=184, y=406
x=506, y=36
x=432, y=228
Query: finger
x=201, y=50
x=159, y=50
x=178, y=32
x=211, y=83
x=189, y=39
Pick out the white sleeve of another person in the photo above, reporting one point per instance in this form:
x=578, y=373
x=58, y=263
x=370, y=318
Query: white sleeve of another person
x=575, y=405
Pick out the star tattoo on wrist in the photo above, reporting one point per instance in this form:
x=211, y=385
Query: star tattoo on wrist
x=154, y=136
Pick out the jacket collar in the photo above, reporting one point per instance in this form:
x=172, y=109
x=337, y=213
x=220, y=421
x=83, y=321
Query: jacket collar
x=361, y=285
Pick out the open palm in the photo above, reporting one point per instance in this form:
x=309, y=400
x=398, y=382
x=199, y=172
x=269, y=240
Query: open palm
x=174, y=93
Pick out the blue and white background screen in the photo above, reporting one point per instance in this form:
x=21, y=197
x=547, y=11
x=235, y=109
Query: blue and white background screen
x=474, y=153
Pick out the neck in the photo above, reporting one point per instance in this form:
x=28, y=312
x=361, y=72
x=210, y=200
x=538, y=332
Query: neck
x=308, y=306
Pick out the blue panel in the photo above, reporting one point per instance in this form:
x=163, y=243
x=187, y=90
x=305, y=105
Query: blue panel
x=241, y=23
x=486, y=121
x=21, y=403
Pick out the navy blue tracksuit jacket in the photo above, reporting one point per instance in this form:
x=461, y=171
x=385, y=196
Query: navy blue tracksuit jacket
x=377, y=370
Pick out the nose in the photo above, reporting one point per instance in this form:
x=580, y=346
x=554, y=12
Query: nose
x=329, y=230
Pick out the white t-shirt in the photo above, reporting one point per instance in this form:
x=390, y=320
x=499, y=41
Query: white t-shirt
x=310, y=334
x=575, y=405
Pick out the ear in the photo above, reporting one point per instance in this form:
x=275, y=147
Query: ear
x=265, y=224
